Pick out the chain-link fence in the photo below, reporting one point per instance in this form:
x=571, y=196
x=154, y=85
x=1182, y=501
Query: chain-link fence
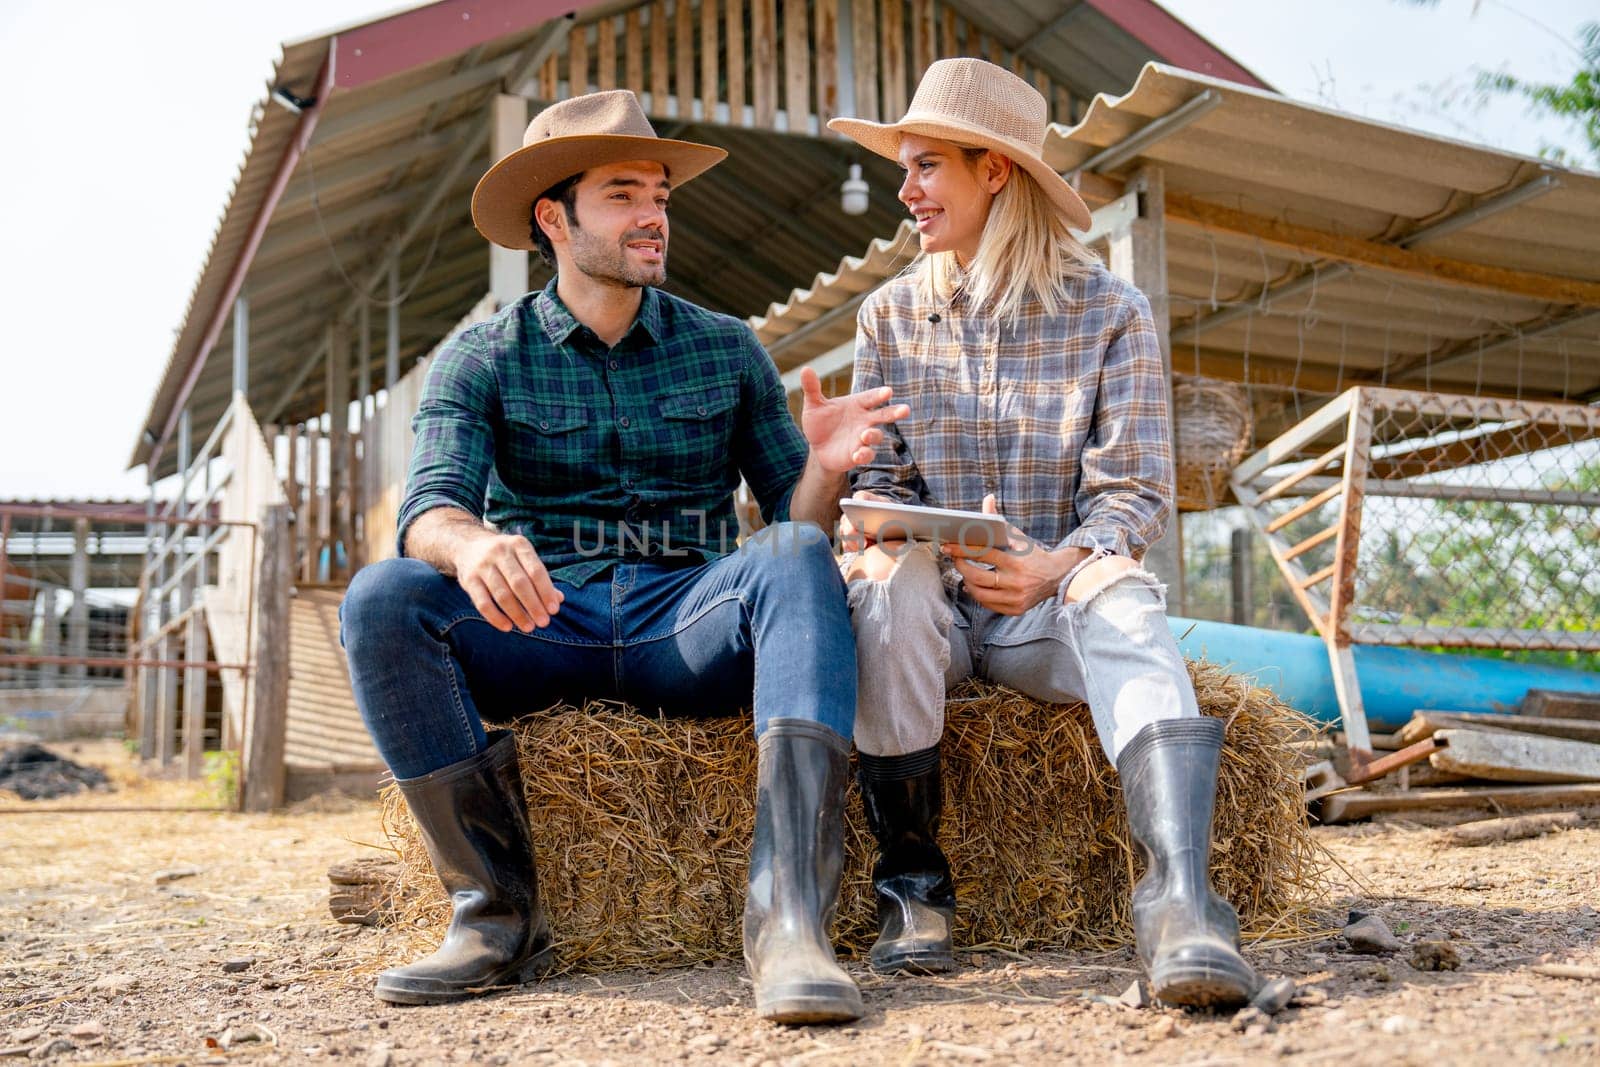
x=1411, y=518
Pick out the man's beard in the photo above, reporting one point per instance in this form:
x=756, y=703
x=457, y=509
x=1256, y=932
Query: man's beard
x=609, y=263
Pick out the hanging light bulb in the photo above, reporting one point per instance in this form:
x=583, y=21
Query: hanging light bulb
x=853, y=193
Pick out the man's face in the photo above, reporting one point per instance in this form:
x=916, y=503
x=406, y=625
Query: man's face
x=620, y=236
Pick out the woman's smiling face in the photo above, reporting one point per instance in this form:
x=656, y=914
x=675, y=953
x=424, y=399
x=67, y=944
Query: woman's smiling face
x=949, y=192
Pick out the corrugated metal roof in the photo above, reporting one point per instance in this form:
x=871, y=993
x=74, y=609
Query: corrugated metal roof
x=742, y=234
x=1282, y=161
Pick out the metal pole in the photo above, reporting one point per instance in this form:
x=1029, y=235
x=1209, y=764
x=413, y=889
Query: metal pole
x=241, y=346
x=391, y=354
x=1239, y=556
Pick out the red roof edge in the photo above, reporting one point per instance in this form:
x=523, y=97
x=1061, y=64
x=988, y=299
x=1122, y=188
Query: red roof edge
x=1170, y=38
x=423, y=35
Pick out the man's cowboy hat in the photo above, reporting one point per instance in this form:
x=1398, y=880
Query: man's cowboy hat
x=566, y=139
x=979, y=105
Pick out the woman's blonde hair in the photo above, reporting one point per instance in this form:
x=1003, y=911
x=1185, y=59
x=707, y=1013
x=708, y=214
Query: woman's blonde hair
x=1026, y=250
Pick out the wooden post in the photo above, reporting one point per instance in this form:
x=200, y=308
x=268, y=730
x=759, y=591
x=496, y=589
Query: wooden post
x=364, y=386
x=550, y=79
x=709, y=78
x=827, y=38
x=1352, y=709
x=660, y=61
x=338, y=447
x=633, y=53
x=764, y=61
x=864, y=55
x=1239, y=566
x=78, y=617
x=578, y=62
x=508, y=267
x=683, y=42
x=736, y=62
x=291, y=491
x=262, y=770
x=605, y=54
x=391, y=339
x=924, y=47
x=893, y=35
x=241, y=345
x=50, y=644
x=949, y=46
x=796, y=66
x=1139, y=255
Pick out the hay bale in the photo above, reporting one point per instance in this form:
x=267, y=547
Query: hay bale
x=642, y=826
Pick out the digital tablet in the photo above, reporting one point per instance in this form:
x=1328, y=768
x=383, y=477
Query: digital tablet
x=885, y=521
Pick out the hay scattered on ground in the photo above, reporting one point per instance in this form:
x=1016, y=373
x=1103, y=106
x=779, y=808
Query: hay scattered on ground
x=642, y=825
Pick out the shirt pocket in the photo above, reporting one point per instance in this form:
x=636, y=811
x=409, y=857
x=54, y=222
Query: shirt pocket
x=696, y=434
x=549, y=446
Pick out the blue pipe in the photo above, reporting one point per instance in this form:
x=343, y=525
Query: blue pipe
x=1394, y=681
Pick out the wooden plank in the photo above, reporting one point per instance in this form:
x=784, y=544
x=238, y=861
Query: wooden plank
x=1556, y=704
x=578, y=61
x=827, y=39
x=1388, y=258
x=796, y=65
x=262, y=773
x=710, y=77
x=605, y=51
x=864, y=54
x=1062, y=99
x=1503, y=756
x=893, y=35
x=1304, y=508
x=1493, y=831
x=683, y=44
x=1367, y=771
x=948, y=45
x=660, y=61
x=924, y=37
x=764, y=61
x=633, y=52
x=550, y=78
x=736, y=62
x=1427, y=723
x=1359, y=804
x=1352, y=492
x=1302, y=433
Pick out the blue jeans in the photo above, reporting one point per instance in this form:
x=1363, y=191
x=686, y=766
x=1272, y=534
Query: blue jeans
x=685, y=638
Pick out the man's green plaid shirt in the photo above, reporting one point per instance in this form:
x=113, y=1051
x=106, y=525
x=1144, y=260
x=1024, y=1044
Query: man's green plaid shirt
x=594, y=455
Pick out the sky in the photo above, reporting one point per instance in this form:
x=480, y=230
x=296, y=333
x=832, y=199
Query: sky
x=126, y=123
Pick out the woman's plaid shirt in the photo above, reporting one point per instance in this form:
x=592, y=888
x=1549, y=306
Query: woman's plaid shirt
x=1063, y=417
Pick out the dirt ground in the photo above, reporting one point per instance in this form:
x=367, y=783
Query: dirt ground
x=107, y=958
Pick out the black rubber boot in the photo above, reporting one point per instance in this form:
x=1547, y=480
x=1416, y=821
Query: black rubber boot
x=1188, y=936
x=796, y=863
x=474, y=823
x=902, y=797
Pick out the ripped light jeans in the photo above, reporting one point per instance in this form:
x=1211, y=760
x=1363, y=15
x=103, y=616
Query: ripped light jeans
x=914, y=639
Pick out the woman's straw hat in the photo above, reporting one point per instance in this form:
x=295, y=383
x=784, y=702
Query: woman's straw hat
x=979, y=105
x=566, y=139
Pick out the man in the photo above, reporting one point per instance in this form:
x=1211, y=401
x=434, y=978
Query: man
x=568, y=531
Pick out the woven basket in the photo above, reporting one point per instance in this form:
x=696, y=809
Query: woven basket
x=1214, y=425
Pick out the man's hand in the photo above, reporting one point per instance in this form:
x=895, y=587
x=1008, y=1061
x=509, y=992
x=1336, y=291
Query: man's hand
x=507, y=581
x=1024, y=573
x=843, y=432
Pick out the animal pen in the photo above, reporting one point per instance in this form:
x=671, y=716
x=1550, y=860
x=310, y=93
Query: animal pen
x=1385, y=346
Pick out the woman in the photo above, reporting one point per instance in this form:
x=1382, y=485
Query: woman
x=1036, y=389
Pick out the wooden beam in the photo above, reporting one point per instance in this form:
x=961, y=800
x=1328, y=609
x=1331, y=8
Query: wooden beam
x=605, y=53
x=827, y=50
x=796, y=65
x=864, y=55
x=893, y=34
x=578, y=62
x=266, y=729
x=1559, y=704
x=660, y=60
x=1376, y=255
x=633, y=52
x=764, y=61
x=924, y=44
x=683, y=42
x=710, y=76
x=1427, y=723
x=735, y=63
x=1359, y=804
x=1504, y=756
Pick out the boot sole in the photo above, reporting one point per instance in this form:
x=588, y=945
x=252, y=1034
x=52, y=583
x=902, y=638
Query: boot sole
x=1203, y=987
x=830, y=1004
x=914, y=963
x=414, y=992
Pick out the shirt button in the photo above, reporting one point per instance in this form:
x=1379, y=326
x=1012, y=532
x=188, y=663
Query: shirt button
x=627, y=483
x=701, y=409
x=623, y=422
x=614, y=365
x=543, y=424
